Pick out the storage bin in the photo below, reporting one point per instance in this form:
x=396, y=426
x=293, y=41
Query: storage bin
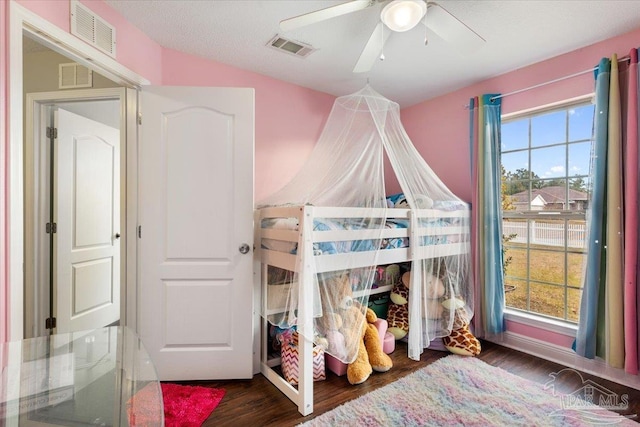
x=289, y=360
x=380, y=304
x=386, y=340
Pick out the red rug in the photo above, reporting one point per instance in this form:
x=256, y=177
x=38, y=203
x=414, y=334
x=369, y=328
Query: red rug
x=184, y=406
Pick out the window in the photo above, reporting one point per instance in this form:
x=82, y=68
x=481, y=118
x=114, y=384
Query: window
x=545, y=161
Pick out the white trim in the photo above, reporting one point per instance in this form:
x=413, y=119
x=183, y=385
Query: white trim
x=21, y=19
x=129, y=296
x=16, y=185
x=35, y=103
x=567, y=357
x=552, y=106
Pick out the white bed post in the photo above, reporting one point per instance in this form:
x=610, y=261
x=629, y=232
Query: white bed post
x=306, y=273
x=415, y=294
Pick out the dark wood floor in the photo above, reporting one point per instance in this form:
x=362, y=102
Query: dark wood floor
x=257, y=402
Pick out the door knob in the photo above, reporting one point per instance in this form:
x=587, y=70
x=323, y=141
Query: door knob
x=244, y=248
x=117, y=235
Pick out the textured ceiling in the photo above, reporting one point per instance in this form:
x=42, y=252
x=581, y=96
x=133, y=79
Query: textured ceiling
x=517, y=33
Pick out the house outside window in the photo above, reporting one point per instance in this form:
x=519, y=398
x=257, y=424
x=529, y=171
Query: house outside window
x=545, y=162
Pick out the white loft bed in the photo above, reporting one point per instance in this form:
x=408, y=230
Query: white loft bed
x=305, y=236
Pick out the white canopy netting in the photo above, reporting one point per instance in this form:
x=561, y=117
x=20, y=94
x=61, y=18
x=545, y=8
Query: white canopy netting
x=346, y=169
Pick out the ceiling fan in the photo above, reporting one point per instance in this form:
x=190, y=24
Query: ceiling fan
x=396, y=16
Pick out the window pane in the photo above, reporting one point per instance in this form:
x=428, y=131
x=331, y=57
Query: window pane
x=516, y=163
x=577, y=236
x=547, y=233
x=545, y=162
x=548, y=129
x=514, y=231
x=576, y=266
x=516, y=262
x=514, y=135
x=549, y=162
x=547, y=266
x=547, y=299
x=573, y=304
x=579, y=158
x=580, y=183
x=580, y=122
x=516, y=293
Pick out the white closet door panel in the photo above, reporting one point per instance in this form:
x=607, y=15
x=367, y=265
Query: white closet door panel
x=208, y=297
x=196, y=167
x=94, y=166
x=93, y=285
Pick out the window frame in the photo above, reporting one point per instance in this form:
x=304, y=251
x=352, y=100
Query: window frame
x=523, y=316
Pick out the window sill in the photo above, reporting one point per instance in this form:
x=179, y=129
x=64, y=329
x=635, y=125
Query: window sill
x=540, y=322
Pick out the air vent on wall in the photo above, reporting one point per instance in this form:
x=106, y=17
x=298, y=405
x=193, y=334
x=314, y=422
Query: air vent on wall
x=290, y=46
x=91, y=28
x=73, y=76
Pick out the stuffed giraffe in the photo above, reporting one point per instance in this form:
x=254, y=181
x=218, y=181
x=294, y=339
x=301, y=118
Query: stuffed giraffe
x=461, y=341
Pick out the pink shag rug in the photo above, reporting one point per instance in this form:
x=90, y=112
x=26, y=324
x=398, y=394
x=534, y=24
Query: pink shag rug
x=184, y=406
x=460, y=391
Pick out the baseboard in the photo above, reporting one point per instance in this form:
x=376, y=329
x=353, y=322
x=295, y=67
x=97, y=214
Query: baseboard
x=566, y=357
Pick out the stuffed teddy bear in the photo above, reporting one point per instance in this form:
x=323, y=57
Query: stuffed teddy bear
x=349, y=332
x=370, y=356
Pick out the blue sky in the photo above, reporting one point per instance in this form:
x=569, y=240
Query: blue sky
x=547, y=160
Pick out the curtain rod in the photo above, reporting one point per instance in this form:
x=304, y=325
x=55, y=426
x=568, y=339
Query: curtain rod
x=559, y=79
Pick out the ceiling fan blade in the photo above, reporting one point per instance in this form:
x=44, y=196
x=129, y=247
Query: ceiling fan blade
x=323, y=14
x=451, y=29
x=372, y=49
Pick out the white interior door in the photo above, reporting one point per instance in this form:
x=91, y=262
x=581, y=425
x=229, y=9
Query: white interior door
x=196, y=212
x=87, y=217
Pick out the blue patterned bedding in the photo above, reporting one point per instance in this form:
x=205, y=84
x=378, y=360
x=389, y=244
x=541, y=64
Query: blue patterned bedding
x=355, y=245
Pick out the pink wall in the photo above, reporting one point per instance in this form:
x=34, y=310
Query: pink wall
x=439, y=127
x=289, y=118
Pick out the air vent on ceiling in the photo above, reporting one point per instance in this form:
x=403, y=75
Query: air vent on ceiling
x=290, y=46
x=91, y=28
x=73, y=76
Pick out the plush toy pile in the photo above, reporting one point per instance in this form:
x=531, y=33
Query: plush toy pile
x=346, y=325
x=342, y=312
x=460, y=341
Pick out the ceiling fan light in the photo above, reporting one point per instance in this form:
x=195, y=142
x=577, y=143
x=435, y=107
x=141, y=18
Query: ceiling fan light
x=403, y=15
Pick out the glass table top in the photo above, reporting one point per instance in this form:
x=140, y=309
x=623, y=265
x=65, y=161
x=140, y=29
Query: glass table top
x=101, y=377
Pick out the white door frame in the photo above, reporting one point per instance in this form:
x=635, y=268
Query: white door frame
x=23, y=20
x=36, y=104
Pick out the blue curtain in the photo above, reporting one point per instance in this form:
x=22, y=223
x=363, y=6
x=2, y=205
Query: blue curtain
x=487, y=227
x=585, y=344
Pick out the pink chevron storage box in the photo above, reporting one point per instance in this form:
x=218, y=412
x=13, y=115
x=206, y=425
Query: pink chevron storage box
x=289, y=361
